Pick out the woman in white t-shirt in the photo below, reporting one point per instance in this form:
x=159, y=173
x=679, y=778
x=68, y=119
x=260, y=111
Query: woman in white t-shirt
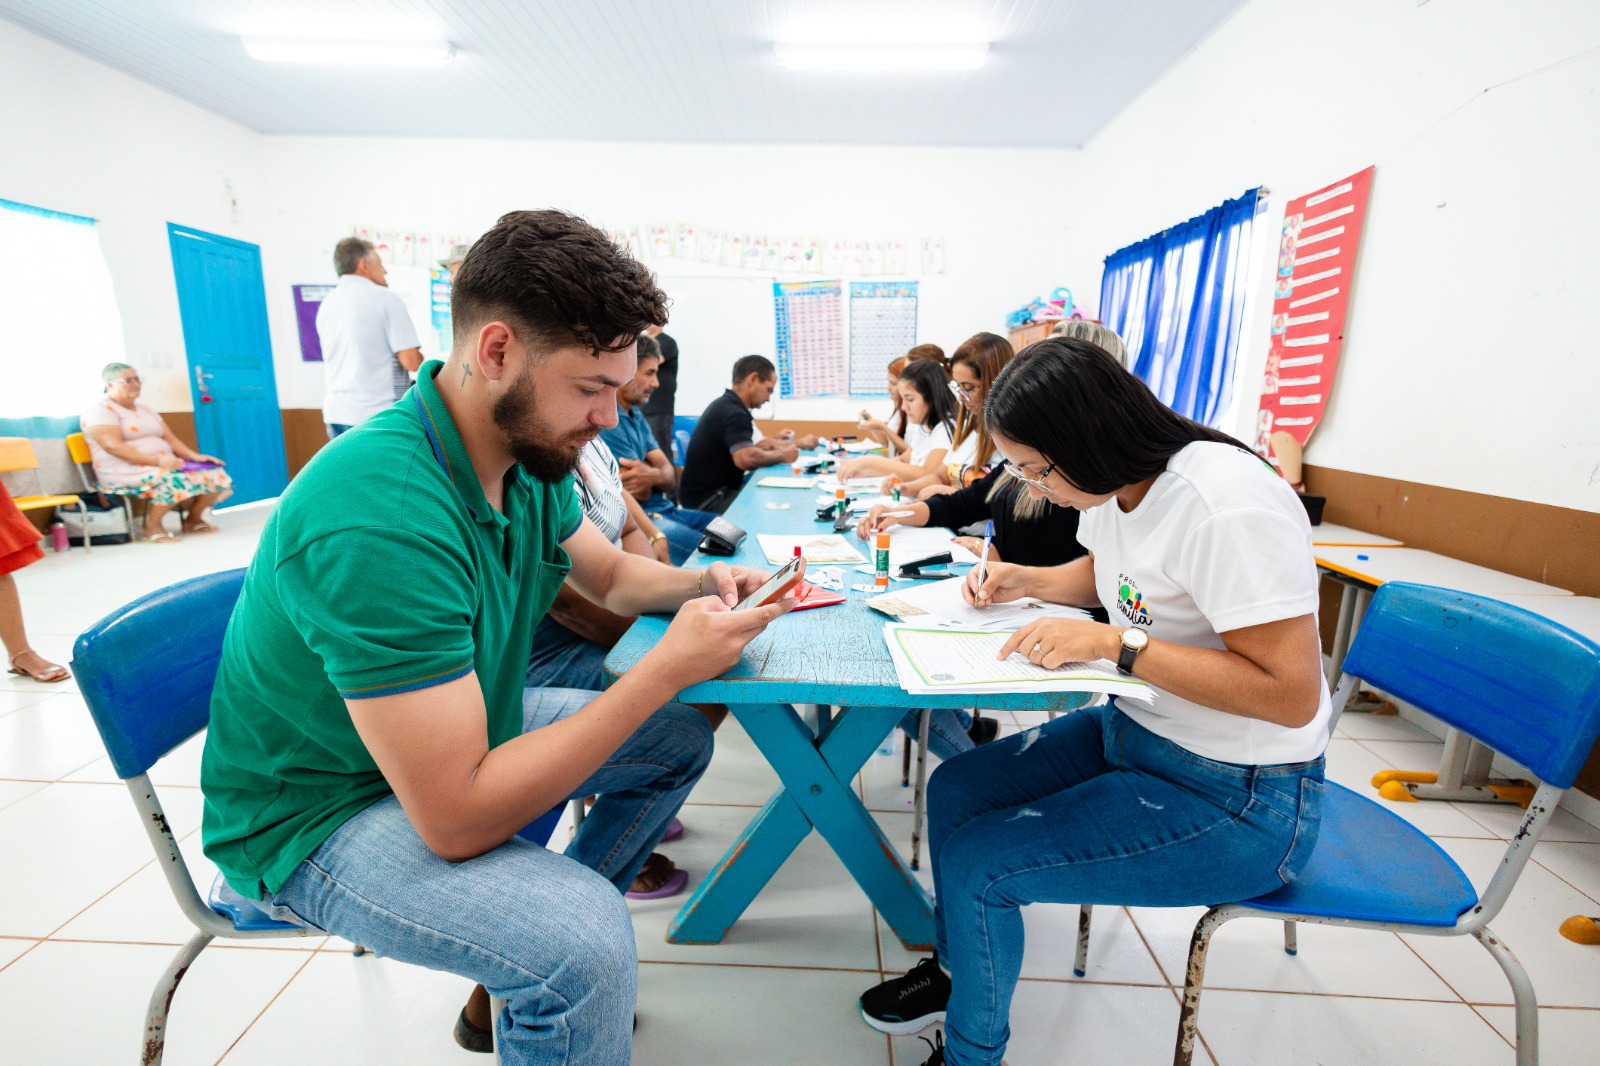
x=1209, y=793
x=930, y=412
x=973, y=368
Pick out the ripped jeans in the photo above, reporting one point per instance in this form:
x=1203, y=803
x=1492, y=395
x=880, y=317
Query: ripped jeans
x=1093, y=808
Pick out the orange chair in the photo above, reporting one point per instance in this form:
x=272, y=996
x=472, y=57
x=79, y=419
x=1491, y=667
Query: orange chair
x=16, y=453
x=78, y=448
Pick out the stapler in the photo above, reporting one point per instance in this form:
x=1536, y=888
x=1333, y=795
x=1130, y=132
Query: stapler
x=913, y=569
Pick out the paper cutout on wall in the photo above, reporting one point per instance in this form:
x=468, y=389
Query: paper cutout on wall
x=364, y=232
x=755, y=253
x=896, y=259
x=383, y=243
x=792, y=259
x=405, y=249
x=873, y=262
x=772, y=256
x=683, y=240
x=933, y=255
x=833, y=256
x=811, y=254
x=855, y=257
x=1317, y=244
x=710, y=245
x=422, y=250
x=660, y=241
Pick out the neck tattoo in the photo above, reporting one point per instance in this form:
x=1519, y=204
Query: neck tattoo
x=466, y=372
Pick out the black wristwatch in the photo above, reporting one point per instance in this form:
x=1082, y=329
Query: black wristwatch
x=1134, y=641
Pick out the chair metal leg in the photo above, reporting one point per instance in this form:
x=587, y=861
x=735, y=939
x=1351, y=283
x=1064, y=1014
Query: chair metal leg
x=1080, y=964
x=919, y=799
x=905, y=760
x=1521, y=993
x=496, y=1005
x=1291, y=939
x=579, y=809
x=155, y=1018
x=1194, y=979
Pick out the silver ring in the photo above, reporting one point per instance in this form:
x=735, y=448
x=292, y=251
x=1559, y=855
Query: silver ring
x=1038, y=649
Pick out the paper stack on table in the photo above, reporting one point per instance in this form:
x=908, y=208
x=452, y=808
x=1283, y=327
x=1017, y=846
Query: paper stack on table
x=859, y=447
x=940, y=603
x=907, y=544
x=852, y=487
x=817, y=548
x=928, y=659
x=781, y=481
x=857, y=504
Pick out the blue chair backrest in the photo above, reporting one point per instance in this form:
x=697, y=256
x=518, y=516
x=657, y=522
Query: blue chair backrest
x=146, y=669
x=1524, y=685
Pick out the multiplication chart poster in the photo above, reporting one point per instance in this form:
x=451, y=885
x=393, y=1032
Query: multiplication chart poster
x=811, y=354
x=883, y=326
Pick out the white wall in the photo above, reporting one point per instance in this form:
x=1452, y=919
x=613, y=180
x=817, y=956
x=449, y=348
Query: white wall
x=78, y=137
x=1469, y=357
x=998, y=210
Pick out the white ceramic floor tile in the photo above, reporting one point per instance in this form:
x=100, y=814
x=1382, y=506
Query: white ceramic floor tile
x=48, y=739
x=11, y=791
x=1565, y=1036
x=179, y=768
x=1502, y=819
x=1080, y=1024
x=810, y=914
x=1352, y=765
x=13, y=948
x=1248, y=953
x=1563, y=973
x=14, y=699
x=1363, y=726
x=738, y=774
x=83, y=841
x=1267, y=1029
x=354, y=1011
x=222, y=993
x=730, y=1016
x=1576, y=864
x=143, y=910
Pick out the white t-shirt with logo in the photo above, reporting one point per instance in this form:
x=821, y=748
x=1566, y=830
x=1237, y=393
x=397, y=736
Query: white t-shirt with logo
x=923, y=442
x=361, y=326
x=1219, y=543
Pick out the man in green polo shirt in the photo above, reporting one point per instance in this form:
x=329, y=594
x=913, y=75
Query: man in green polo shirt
x=372, y=752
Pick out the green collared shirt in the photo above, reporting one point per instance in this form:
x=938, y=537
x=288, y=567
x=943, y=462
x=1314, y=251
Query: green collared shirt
x=382, y=570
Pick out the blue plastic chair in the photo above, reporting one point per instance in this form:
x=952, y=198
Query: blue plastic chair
x=146, y=672
x=1522, y=685
x=682, y=430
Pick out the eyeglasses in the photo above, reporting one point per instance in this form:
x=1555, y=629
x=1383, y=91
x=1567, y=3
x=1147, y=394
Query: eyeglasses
x=1036, y=480
x=962, y=389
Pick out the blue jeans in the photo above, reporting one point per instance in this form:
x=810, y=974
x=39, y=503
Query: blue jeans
x=947, y=731
x=549, y=933
x=336, y=428
x=684, y=528
x=1093, y=808
x=563, y=659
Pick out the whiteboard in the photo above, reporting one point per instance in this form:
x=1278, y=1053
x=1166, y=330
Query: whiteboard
x=715, y=320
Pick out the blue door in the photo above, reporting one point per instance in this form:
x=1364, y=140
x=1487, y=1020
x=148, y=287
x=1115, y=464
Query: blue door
x=223, y=303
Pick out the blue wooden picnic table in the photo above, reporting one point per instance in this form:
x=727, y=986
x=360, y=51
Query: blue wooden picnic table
x=828, y=657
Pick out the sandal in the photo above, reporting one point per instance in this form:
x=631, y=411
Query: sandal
x=47, y=674
x=670, y=885
x=202, y=527
x=160, y=538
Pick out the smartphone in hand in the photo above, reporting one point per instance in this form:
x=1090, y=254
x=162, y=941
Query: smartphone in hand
x=777, y=586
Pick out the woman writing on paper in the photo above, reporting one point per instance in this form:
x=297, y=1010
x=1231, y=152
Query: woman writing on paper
x=973, y=368
x=930, y=413
x=1213, y=792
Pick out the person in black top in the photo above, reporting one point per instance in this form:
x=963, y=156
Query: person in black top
x=658, y=410
x=723, y=448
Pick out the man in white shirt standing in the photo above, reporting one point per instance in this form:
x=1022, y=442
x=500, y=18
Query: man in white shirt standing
x=369, y=345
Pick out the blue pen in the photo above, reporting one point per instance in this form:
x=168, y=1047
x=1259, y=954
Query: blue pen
x=983, y=560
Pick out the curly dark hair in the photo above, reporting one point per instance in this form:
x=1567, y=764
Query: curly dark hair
x=558, y=280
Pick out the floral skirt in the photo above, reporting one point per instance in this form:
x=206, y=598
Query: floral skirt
x=172, y=487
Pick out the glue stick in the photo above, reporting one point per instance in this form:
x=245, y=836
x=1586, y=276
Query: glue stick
x=882, y=561
x=840, y=505
x=894, y=489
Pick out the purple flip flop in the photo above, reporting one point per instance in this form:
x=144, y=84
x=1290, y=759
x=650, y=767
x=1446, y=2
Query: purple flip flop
x=671, y=887
x=674, y=831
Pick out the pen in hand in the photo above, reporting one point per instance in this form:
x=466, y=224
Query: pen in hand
x=983, y=560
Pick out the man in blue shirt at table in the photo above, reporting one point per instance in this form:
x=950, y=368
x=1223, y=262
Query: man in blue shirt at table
x=646, y=471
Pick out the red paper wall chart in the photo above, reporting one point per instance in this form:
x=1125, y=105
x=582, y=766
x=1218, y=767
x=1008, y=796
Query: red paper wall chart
x=1316, y=260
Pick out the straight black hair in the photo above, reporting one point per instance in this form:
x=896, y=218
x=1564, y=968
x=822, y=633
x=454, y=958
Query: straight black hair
x=932, y=380
x=746, y=365
x=1096, y=423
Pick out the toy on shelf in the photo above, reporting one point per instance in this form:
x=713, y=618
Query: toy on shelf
x=1040, y=309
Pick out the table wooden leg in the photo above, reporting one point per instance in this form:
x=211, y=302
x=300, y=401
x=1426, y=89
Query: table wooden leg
x=816, y=774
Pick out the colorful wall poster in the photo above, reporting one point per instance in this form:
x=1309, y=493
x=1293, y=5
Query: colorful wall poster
x=307, y=299
x=811, y=342
x=1317, y=244
x=883, y=327
x=439, y=308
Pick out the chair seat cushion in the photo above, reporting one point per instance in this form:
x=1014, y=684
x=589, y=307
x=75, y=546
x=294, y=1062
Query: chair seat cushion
x=33, y=503
x=1371, y=865
x=246, y=914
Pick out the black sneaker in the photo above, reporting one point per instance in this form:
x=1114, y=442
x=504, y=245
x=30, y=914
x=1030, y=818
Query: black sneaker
x=908, y=1004
x=983, y=730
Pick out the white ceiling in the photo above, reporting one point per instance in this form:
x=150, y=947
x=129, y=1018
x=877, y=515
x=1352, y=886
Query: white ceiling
x=646, y=70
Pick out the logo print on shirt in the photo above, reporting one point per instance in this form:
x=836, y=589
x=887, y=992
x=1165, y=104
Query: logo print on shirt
x=1130, y=601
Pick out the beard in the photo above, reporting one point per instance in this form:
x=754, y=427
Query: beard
x=546, y=457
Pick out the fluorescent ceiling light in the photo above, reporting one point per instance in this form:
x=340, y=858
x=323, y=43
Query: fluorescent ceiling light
x=350, y=53
x=878, y=57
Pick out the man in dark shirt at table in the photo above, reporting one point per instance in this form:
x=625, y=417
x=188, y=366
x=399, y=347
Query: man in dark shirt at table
x=659, y=408
x=724, y=448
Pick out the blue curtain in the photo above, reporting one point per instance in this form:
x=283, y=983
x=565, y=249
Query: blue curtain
x=1177, y=301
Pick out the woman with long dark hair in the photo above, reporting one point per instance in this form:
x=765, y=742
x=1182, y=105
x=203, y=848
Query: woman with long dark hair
x=1211, y=792
x=973, y=367
x=888, y=430
x=930, y=412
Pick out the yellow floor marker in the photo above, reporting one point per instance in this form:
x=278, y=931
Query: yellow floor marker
x=1396, y=792
x=1581, y=930
x=1418, y=777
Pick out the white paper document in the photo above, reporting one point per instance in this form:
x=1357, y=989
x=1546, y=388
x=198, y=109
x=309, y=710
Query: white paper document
x=782, y=481
x=941, y=603
x=855, y=486
x=907, y=544
x=859, y=447
x=857, y=504
x=929, y=659
x=817, y=549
